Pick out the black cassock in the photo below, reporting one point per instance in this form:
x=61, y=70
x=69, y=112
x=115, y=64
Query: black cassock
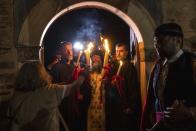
x=117, y=101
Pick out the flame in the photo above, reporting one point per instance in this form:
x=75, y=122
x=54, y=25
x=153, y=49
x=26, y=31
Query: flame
x=90, y=46
x=101, y=38
x=106, y=45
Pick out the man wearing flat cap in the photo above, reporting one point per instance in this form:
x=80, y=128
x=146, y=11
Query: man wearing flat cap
x=171, y=99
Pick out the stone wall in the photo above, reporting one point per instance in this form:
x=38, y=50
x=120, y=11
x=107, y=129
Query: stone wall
x=184, y=13
x=7, y=51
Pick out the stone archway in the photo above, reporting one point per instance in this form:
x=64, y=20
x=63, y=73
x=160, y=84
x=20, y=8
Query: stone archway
x=100, y=5
x=121, y=15
x=136, y=14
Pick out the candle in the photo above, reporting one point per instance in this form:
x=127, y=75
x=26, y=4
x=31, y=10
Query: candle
x=119, y=68
x=106, y=55
x=107, y=51
x=88, y=52
x=78, y=60
x=101, y=38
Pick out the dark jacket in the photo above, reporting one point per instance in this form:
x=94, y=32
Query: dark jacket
x=116, y=118
x=179, y=85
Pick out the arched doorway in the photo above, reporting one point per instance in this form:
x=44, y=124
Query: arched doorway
x=126, y=19
x=100, y=5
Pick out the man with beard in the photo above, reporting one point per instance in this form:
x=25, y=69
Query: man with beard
x=96, y=111
x=171, y=104
x=90, y=94
x=123, y=94
x=61, y=68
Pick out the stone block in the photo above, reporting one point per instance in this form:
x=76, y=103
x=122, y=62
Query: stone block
x=4, y=51
x=7, y=78
x=7, y=65
x=27, y=53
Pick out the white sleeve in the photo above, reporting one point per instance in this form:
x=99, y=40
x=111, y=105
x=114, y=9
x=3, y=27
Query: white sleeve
x=61, y=91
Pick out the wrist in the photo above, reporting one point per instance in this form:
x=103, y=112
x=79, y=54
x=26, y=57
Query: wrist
x=192, y=114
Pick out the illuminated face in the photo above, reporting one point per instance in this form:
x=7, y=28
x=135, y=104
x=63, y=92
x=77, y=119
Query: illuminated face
x=121, y=53
x=96, y=59
x=68, y=52
x=97, y=63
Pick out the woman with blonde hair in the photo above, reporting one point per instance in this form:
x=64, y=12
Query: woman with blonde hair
x=34, y=106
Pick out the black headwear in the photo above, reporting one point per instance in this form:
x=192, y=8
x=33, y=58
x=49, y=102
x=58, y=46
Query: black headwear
x=171, y=29
x=97, y=52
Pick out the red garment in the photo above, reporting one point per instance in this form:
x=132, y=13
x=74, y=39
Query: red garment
x=76, y=73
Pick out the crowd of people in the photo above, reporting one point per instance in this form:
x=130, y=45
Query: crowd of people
x=66, y=97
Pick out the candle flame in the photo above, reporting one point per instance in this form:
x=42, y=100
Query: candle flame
x=89, y=47
x=106, y=45
x=101, y=38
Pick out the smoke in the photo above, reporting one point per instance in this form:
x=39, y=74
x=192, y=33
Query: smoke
x=91, y=27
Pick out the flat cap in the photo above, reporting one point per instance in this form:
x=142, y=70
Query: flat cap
x=171, y=29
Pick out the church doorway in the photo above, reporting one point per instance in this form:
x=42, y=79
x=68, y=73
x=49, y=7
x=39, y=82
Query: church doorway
x=136, y=38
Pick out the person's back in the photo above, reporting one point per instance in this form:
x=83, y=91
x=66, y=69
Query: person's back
x=35, y=102
x=36, y=110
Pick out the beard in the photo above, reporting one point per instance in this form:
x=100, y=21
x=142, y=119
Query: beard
x=67, y=57
x=97, y=67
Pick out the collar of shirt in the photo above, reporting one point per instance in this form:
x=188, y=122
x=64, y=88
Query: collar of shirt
x=176, y=56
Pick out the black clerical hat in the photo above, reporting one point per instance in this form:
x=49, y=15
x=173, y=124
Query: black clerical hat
x=97, y=52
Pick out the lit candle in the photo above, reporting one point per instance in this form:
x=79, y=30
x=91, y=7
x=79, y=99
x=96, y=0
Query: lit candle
x=107, y=51
x=119, y=68
x=106, y=55
x=101, y=38
x=87, y=57
x=88, y=52
x=78, y=60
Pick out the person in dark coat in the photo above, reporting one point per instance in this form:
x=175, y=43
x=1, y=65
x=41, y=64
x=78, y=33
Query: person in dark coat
x=171, y=99
x=123, y=94
x=62, y=69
